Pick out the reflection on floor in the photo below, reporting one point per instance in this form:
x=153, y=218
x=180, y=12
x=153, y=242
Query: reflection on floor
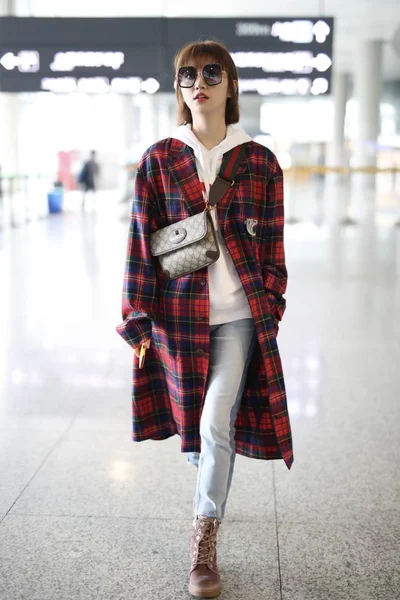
x=86, y=514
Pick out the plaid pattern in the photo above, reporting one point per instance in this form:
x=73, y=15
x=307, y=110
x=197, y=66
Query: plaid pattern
x=168, y=392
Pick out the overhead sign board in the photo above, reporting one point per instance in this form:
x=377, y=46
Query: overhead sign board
x=273, y=56
x=287, y=56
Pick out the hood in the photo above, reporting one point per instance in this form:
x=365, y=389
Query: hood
x=234, y=137
x=208, y=162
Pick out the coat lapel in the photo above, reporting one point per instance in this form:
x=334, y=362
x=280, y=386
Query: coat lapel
x=182, y=167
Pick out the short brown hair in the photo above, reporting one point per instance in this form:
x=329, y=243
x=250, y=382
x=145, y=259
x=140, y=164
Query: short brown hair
x=191, y=53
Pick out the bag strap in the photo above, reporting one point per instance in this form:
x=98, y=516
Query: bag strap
x=229, y=167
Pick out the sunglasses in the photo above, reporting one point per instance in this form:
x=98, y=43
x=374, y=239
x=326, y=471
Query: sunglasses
x=212, y=75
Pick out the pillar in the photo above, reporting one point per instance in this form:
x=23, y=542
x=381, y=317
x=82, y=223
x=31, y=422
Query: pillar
x=337, y=153
x=165, y=123
x=367, y=87
x=8, y=8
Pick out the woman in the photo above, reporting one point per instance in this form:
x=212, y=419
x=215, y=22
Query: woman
x=212, y=371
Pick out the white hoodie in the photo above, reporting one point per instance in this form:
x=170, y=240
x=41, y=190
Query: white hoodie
x=228, y=301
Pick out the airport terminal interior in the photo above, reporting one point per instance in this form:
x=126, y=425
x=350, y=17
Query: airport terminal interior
x=85, y=513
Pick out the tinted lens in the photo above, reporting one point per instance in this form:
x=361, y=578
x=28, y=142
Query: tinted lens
x=186, y=77
x=212, y=74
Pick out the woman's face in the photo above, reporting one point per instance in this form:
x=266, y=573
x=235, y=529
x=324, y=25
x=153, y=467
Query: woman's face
x=203, y=99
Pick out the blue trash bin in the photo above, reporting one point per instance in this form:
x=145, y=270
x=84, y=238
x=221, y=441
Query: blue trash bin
x=55, y=200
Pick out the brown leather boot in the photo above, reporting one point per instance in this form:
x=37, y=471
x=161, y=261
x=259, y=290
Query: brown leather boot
x=204, y=581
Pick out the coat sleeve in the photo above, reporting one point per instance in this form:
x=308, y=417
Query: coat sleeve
x=140, y=293
x=274, y=268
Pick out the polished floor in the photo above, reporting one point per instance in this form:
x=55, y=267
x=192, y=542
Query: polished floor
x=87, y=515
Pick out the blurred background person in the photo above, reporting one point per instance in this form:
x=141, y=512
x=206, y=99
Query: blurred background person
x=89, y=176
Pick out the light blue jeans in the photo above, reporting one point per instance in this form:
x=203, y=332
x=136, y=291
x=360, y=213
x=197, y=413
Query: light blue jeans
x=232, y=346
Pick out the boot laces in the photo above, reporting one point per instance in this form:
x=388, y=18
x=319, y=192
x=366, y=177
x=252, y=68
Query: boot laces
x=207, y=545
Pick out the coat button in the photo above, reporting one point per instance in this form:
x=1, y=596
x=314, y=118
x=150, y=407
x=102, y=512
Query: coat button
x=200, y=352
x=203, y=282
x=200, y=318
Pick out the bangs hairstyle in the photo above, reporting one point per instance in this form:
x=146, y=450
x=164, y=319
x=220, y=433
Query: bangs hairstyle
x=195, y=53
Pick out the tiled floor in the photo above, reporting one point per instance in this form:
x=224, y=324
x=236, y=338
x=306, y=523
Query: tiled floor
x=87, y=515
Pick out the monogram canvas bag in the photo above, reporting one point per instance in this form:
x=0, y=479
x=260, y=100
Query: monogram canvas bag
x=186, y=246
x=191, y=244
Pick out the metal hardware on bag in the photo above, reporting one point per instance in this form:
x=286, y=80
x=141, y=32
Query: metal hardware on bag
x=209, y=206
x=177, y=236
x=206, y=202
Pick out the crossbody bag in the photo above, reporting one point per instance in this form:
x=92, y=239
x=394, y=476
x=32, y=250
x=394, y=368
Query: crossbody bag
x=192, y=244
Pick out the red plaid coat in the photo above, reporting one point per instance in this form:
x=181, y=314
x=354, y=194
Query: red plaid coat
x=168, y=392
